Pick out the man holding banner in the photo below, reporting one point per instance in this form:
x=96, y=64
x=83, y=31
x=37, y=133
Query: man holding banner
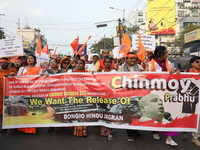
x=4, y=71
x=131, y=66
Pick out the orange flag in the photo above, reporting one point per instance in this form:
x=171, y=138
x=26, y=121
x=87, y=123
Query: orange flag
x=39, y=46
x=45, y=49
x=74, y=44
x=141, y=49
x=54, y=52
x=83, y=46
x=125, y=44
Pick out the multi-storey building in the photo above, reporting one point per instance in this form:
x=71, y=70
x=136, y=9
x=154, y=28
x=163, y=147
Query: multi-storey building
x=30, y=37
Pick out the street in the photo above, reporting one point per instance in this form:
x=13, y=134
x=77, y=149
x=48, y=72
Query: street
x=64, y=140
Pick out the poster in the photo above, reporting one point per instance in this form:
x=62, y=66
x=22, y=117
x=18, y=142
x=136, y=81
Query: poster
x=160, y=17
x=120, y=100
x=11, y=47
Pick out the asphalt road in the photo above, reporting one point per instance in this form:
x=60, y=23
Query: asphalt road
x=64, y=140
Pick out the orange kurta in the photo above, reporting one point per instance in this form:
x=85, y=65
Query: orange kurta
x=2, y=73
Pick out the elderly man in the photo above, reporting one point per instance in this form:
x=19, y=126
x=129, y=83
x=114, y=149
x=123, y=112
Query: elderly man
x=131, y=66
x=151, y=107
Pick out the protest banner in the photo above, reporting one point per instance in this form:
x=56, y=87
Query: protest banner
x=147, y=40
x=11, y=47
x=112, y=100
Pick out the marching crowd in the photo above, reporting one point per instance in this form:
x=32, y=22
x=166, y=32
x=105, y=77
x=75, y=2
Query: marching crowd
x=155, y=61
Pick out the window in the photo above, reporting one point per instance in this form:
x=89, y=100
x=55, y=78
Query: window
x=140, y=13
x=140, y=20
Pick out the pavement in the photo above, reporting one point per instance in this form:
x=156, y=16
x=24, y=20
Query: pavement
x=65, y=140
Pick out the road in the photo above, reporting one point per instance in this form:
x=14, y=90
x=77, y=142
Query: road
x=64, y=140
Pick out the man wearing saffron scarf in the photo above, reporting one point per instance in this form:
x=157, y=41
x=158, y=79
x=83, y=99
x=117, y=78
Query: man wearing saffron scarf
x=4, y=71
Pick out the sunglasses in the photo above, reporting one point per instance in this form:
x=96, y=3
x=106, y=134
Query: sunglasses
x=197, y=61
x=51, y=62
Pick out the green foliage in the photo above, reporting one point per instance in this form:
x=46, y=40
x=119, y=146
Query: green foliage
x=2, y=36
x=179, y=42
x=107, y=43
x=104, y=43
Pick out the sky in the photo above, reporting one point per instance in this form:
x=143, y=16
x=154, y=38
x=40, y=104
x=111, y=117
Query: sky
x=61, y=21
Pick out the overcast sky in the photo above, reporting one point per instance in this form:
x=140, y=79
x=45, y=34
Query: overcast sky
x=61, y=21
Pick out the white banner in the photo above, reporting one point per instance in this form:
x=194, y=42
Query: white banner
x=147, y=40
x=11, y=47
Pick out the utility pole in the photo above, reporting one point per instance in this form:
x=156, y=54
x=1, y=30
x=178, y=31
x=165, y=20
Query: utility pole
x=120, y=30
x=1, y=29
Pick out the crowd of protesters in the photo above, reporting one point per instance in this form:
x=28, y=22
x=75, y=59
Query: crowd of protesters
x=156, y=61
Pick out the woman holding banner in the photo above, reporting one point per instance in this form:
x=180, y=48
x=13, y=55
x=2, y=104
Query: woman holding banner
x=105, y=131
x=160, y=63
x=30, y=69
x=80, y=130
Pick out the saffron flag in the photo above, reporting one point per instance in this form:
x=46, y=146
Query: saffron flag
x=12, y=59
x=54, y=52
x=74, y=44
x=125, y=44
x=141, y=49
x=39, y=47
x=83, y=46
x=45, y=49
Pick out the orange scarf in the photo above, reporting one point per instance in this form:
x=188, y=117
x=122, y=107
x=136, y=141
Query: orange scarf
x=153, y=65
x=32, y=71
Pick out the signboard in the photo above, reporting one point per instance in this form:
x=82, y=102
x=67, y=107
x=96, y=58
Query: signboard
x=192, y=36
x=26, y=45
x=120, y=100
x=11, y=47
x=160, y=17
x=147, y=40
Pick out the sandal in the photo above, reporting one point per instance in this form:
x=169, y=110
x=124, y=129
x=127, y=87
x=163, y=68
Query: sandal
x=50, y=129
x=110, y=138
x=57, y=129
x=11, y=130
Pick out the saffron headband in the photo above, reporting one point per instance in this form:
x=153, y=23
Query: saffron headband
x=17, y=60
x=4, y=60
x=130, y=55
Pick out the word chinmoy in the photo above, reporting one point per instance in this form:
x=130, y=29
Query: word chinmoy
x=143, y=83
x=180, y=86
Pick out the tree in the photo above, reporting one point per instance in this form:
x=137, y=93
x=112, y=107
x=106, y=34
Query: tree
x=2, y=35
x=179, y=42
x=107, y=43
x=104, y=43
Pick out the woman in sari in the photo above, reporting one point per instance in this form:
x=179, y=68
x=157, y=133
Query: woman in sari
x=105, y=131
x=30, y=69
x=160, y=63
x=80, y=130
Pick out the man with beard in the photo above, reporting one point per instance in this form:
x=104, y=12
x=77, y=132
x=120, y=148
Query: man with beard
x=4, y=71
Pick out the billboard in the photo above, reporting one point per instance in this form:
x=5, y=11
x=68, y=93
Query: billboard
x=192, y=36
x=160, y=17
